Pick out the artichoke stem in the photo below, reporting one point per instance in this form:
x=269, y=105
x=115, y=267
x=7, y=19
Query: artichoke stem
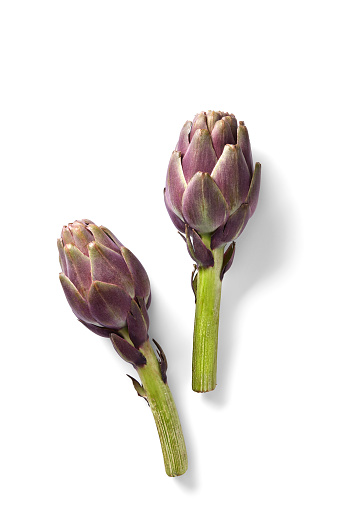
x=206, y=324
x=165, y=414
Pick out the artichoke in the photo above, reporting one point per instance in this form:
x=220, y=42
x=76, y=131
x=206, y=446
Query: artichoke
x=211, y=186
x=105, y=284
x=211, y=192
x=109, y=292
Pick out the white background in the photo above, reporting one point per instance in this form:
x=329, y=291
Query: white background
x=93, y=96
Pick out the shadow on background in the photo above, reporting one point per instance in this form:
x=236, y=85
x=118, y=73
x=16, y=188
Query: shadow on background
x=261, y=251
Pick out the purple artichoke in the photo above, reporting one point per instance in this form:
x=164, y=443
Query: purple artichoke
x=211, y=192
x=211, y=185
x=106, y=286
x=109, y=292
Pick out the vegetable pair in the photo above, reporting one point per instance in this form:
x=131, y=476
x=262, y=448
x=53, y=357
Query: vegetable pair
x=211, y=192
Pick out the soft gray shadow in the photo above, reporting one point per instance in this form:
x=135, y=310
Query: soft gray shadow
x=261, y=250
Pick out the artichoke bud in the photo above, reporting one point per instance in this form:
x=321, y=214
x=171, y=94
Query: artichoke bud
x=106, y=286
x=109, y=291
x=210, y=177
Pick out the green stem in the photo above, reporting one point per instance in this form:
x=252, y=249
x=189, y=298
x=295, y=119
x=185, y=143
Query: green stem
x=165, y=414
x=206, y=324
